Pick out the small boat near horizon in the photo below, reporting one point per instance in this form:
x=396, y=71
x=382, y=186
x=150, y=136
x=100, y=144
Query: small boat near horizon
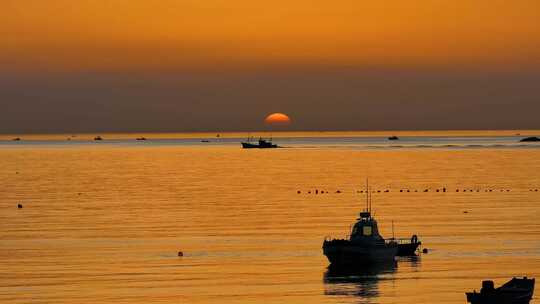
x=261, y=144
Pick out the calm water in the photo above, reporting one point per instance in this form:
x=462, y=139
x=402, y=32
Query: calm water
x=103, y=221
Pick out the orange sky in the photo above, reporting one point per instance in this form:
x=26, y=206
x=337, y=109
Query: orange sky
x=166, y=34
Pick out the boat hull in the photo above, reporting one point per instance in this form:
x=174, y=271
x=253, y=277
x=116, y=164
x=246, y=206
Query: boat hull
x=499, y=298
x=257, y=146
x=348, y=253
x=516, y=291
x=407, y=249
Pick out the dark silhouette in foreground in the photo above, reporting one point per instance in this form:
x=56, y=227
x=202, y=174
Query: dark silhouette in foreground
x=515, y=291
x=364, y=246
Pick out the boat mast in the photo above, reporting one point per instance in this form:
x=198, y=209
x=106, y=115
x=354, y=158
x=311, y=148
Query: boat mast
x=367, y=195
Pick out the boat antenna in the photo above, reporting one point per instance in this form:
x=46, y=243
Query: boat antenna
x=370, y=197
x=367, y=195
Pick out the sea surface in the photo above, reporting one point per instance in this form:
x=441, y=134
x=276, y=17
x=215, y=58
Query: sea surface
x=103, y=221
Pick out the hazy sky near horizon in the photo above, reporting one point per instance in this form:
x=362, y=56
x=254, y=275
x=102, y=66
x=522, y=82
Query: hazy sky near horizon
x=192, y=65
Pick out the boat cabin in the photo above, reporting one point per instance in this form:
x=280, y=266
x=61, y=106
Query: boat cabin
x=365, y=228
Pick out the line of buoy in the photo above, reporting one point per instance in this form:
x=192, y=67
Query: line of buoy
x=443, y=190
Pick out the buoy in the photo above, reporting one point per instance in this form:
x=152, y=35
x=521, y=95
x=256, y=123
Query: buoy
x=316, y=191
x=465, y=211
x=426, y=190
x=408, y=190
x=309, y=192
x=437, y=190
x=443, y=189
x=425, y=250
x=19, y=206
x=298, y=192
x=180, y=253
x=400, y=190
x=338, y=191
x=386, y=190
x=457, y=190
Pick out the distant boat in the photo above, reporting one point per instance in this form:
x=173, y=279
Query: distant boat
x=393, y=138
x=261, y=144
x=141, y=138
x=205, y=141
x=17, y=139
x=515, y=291
x=530, y=139
x=98, y=138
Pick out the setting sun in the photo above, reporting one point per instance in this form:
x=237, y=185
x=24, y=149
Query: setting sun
x=277, y=119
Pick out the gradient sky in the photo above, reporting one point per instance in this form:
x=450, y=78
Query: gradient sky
x=222, y=65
